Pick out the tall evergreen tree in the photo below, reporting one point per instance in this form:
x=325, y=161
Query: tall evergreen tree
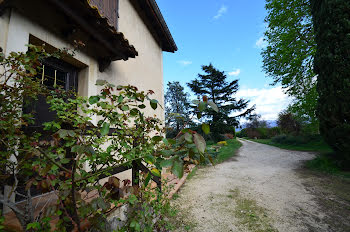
x=214, y=86
x=332, y=64
x=177, y=108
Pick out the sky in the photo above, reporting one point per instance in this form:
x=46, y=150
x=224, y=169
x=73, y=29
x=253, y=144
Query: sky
x=228, y=34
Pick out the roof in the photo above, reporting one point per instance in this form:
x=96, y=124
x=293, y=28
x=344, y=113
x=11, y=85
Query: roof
x=151, y=14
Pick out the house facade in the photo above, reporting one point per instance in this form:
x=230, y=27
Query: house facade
x=124, y=41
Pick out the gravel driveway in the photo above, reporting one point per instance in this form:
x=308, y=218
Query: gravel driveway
x=258, y=190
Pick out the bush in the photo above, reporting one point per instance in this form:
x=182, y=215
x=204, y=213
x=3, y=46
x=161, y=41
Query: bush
x=288, y=123
x=295, y=140
x=242, y=133
x=229, y=136
x=274, y=131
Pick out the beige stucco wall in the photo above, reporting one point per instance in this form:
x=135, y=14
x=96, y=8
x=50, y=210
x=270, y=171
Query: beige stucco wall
x=4, y=26
x=146, y=70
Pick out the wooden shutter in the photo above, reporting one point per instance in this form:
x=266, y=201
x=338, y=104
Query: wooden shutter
x=107, y=9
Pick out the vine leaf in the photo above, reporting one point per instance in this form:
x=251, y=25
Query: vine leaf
x=105, y=129
x=154, y=104
x=166, y=163
x=155, y=172
x=205, y=128
x=93, y=99
x=202, y=106
x=178, y=168
x=200, y=142
x=213, y=106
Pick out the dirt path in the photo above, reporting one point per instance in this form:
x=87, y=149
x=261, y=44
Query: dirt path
x=259, y=191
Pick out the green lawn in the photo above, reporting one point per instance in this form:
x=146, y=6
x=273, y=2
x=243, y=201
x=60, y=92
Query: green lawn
x=316, y=146
x=226, y=152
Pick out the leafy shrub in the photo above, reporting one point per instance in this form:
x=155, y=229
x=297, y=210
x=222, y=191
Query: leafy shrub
x=229, y=136
x=274, y=131
x=295, y=140
x=242, y=133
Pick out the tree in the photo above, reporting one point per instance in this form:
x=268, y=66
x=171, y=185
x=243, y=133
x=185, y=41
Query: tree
x=332, y=64
x=289, y=54
x=256, y=122
x=214, y=87
x=177, y=108
x=288, y=123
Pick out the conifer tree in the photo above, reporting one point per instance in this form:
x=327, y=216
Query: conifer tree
x=177, y=108
x=214, y=85
x=332, y=64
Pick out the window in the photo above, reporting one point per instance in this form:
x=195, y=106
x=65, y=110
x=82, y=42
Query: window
x=57, y=72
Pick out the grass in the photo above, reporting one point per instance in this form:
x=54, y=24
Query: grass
x=226, y=152
x=249, y=214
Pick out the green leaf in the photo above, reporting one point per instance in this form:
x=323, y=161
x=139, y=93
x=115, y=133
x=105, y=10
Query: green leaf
x=200, y=142
x=178, y=169
x=120, y=99
x=165, y=141
x=78, y=149
x=155, y=172
x=134, y=112
x=167, y=153
x=93, y=99
x=154, y=104
x=105, y=129
x=157, y=138
x=172, y=141
x=188, y=137
x=101, y=82
x=62, y=133
x=206, y=128
x=202, y=106
x=101, y=203
x=65, y=161
x=125, y=108
x=142, y=106
x=213, y=106
x=148, y=178
x=167, y=163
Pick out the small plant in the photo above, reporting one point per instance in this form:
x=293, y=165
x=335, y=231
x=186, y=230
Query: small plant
x=222, y=143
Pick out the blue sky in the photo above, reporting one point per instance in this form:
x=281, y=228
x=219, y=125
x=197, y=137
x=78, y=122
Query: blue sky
x=227, y=33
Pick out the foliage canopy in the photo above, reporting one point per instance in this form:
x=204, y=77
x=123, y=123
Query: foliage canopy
x=289, y=54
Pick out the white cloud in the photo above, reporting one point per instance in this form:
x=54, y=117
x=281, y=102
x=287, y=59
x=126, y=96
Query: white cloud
x=185, y=62
x=220, y=12
x=235, y=72
x=269, y=101
x=261, y=43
